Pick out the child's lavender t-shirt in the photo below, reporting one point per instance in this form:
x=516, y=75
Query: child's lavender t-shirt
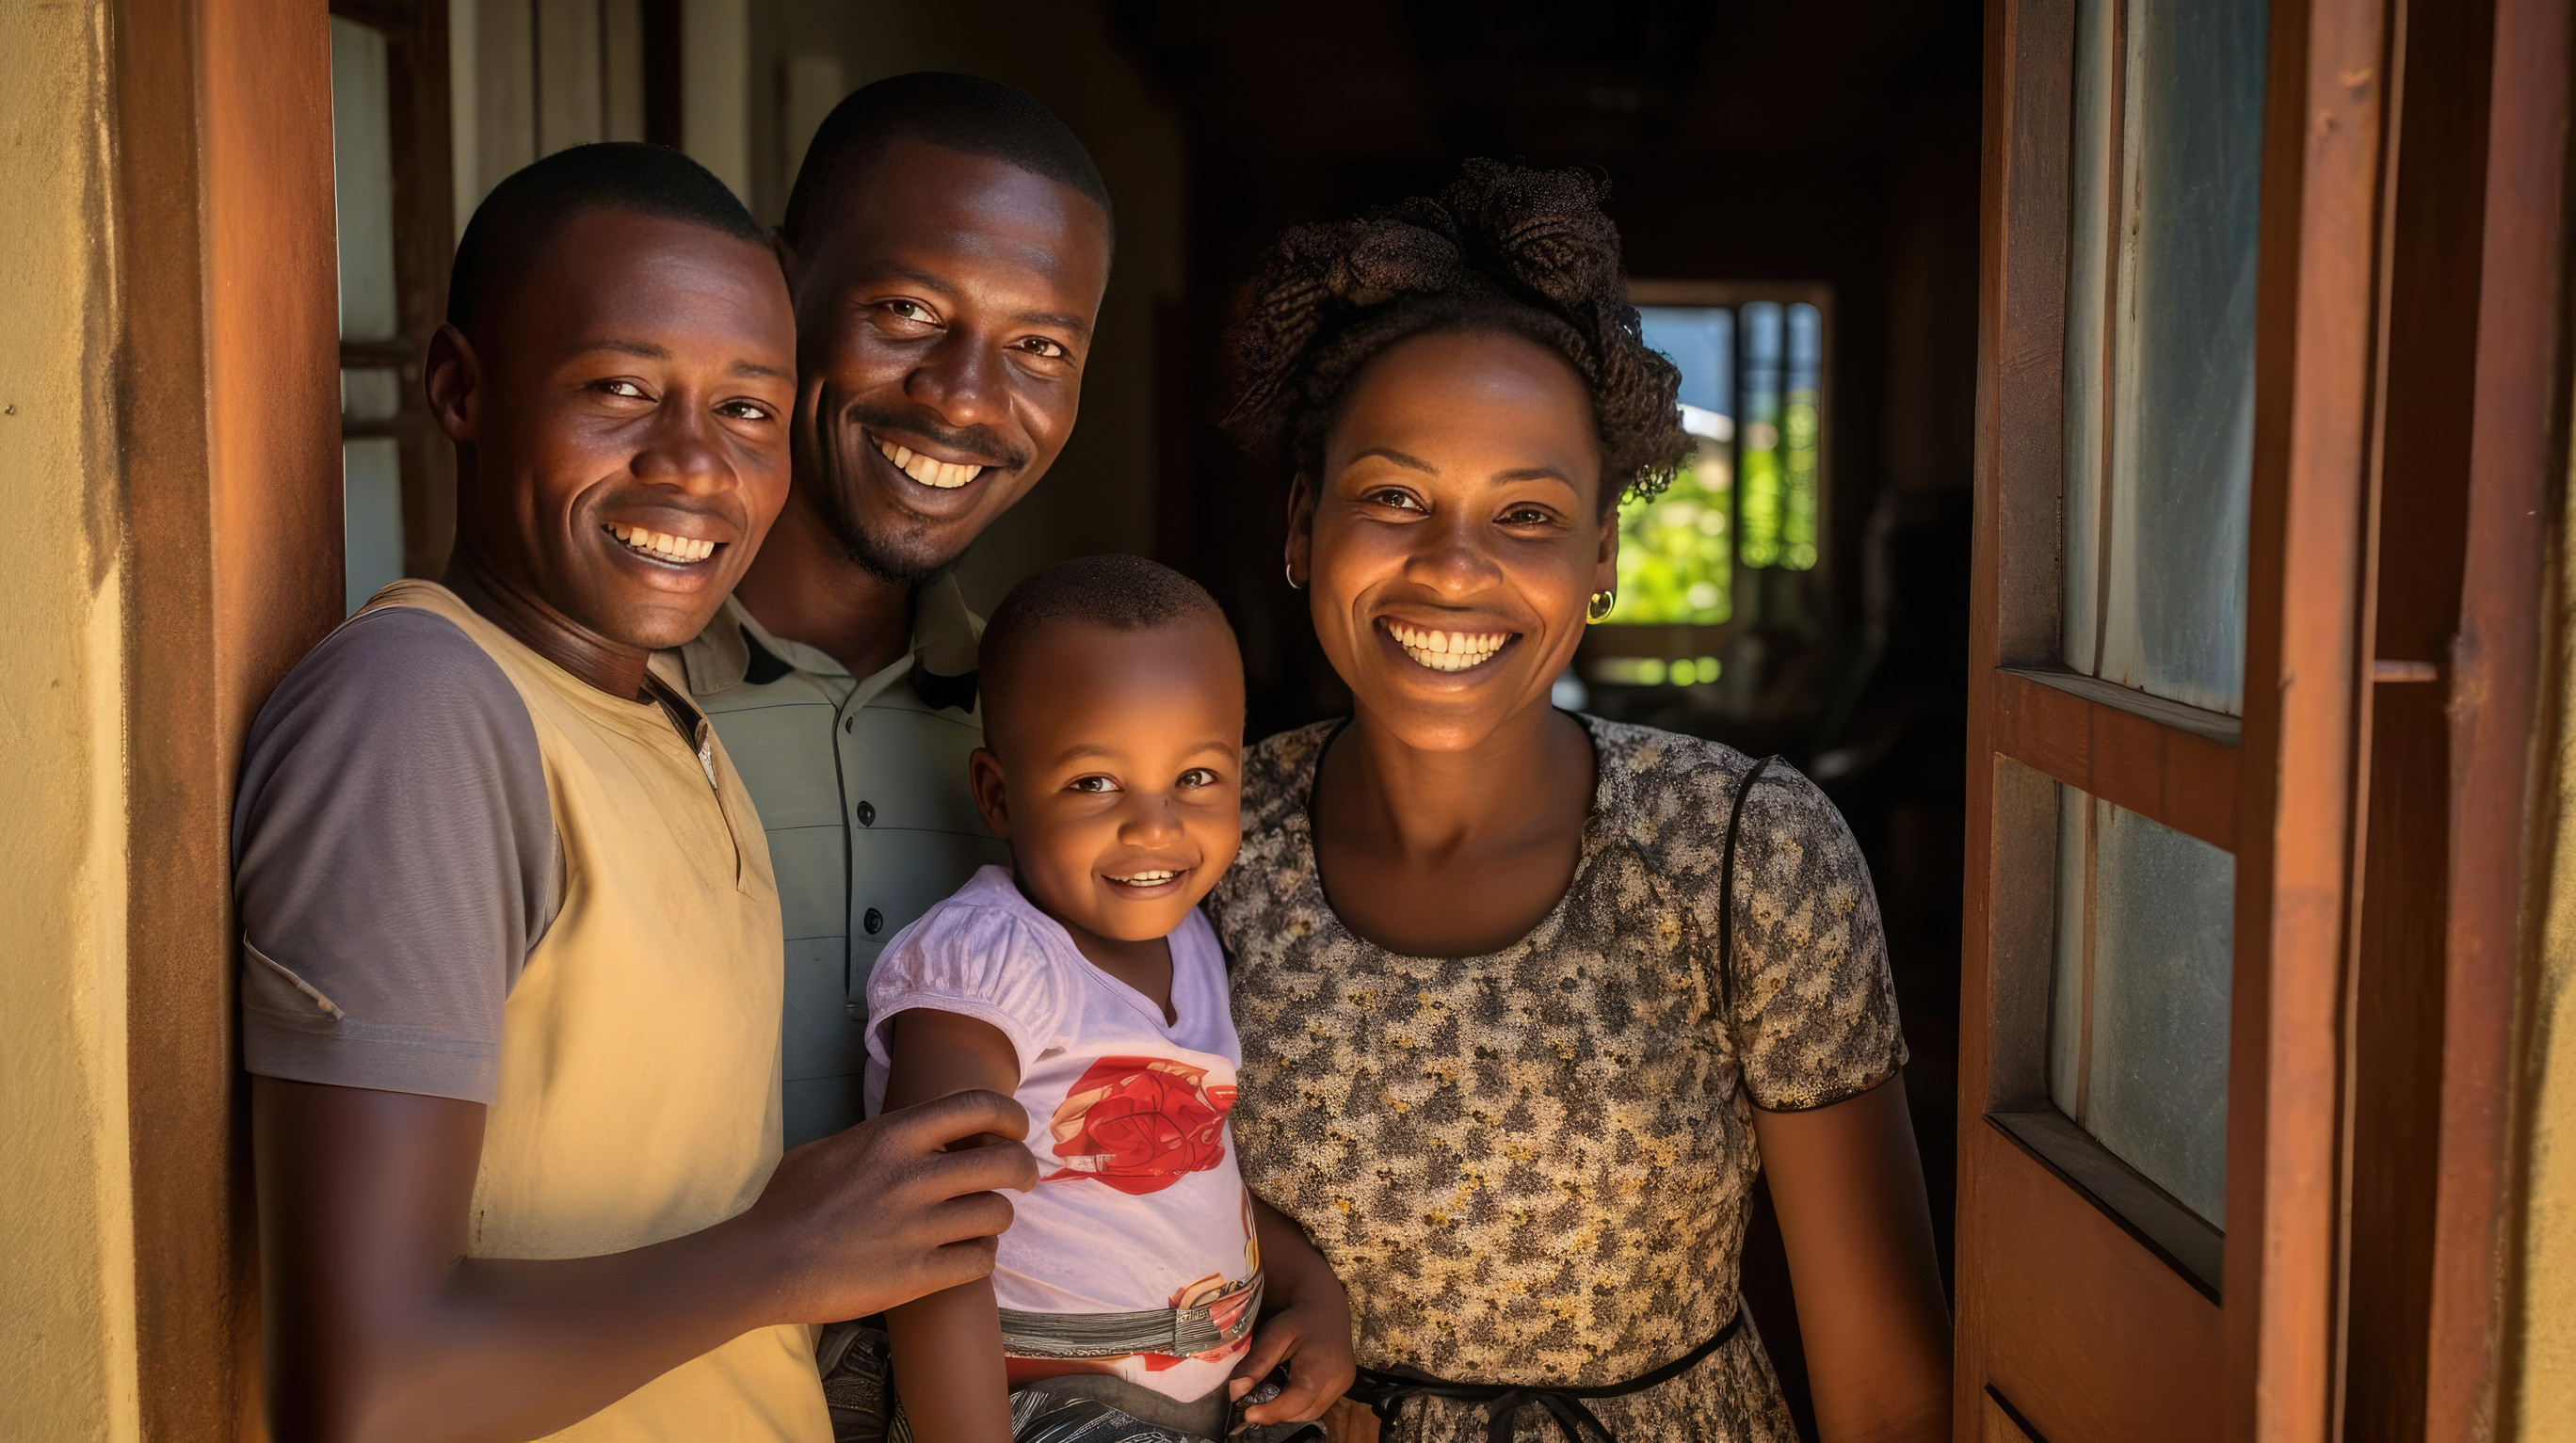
x=1138, y=1205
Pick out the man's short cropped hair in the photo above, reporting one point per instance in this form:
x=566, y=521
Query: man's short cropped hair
x=959, y=112
x=1121, y=593
x=525, y=210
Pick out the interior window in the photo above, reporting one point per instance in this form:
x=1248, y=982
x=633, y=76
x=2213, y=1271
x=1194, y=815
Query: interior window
x=362, y=168
x=1746, y=503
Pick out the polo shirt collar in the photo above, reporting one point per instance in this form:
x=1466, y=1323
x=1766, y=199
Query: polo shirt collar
x=941, y=659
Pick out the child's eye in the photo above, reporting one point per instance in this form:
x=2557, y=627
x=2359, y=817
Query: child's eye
x=1091, y=784
x=1198, y=777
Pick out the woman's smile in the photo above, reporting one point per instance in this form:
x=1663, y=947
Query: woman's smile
x=1446, y=650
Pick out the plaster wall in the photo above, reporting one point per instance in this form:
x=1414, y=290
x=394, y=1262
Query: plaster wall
x=2541, y=1327
x=1101, y=494
x=67, y=1298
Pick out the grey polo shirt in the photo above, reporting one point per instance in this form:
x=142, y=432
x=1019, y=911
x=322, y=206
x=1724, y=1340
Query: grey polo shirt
x=861, y=785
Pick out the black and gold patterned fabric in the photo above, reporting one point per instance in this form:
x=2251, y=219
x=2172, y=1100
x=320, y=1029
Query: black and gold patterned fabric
x=1533, y=1167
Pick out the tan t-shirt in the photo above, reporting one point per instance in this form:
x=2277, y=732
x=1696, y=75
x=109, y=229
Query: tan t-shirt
x=636, y=1092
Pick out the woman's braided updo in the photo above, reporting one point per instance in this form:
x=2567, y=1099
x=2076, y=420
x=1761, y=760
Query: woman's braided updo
x=1528, y=252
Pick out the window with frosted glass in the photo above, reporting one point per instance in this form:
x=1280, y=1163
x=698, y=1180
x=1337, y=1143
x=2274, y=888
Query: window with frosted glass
x=1751, y=397
x=2137, y=1037
x=2165, y=190
x=362, y=169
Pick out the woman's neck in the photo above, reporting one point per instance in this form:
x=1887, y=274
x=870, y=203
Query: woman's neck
x=1529, y=775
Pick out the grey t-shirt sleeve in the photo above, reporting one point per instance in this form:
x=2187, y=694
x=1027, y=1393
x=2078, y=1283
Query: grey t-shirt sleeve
x=394, y=858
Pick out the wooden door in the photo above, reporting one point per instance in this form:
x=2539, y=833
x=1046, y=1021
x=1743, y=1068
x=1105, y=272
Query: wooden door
x=2254, y=307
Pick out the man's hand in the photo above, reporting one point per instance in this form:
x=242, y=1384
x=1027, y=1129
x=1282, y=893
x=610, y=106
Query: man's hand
x=885, y=1213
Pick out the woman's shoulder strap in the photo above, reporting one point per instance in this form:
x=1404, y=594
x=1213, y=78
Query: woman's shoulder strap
x=1726, y=887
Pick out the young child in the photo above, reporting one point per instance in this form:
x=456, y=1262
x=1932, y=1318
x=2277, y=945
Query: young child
x=1084, y=982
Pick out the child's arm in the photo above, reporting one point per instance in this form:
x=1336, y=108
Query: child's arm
x=1307, y=1324
x=948, y=1346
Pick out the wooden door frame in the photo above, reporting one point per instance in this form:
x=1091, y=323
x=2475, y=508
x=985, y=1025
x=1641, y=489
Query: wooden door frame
x=2518, y=452
x=2289, y=795
x=226, y=400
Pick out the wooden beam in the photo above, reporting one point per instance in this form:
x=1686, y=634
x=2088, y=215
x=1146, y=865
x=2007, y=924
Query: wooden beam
x=2306, y=729
x=227, y=346
x=2013, y=603
x=2172, y=773
x=2516, y=453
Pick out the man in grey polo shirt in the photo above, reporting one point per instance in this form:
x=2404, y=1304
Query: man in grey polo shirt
x=946, y=245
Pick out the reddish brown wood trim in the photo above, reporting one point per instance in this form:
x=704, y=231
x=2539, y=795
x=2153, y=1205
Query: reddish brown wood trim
x=2013, y=620
x=2091, y=1335
x=2163, y=773
x=228, y=409
x=2304, y=728
x=2517, y=443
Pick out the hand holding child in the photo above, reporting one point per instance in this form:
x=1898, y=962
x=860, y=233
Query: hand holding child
x=885, y=1212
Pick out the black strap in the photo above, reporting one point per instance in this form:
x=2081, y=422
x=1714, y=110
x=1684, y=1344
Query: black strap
x=1385, y=1392
x=1726, y=892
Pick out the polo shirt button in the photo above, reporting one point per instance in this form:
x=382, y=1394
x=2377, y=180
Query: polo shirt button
x=874, y=921
x=867, y=814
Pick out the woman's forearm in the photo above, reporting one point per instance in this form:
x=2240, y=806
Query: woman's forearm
x=1858, y=1231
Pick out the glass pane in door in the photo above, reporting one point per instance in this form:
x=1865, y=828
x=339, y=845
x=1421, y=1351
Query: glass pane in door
x=2138, y=997
x=2159, y=367
x=362, y=176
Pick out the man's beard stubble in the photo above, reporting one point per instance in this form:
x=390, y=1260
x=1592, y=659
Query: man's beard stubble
x=898, y=555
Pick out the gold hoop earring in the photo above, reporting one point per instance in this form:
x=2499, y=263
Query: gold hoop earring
x=1600, y=605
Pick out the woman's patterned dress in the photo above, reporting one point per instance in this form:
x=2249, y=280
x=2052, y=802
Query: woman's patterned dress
x=1533, y=1166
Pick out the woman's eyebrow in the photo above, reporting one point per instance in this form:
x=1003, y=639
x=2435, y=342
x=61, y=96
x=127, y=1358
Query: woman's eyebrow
x=1534, y=473
x=1414, y=463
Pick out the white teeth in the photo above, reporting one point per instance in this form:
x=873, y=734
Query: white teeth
x=1447, y=650
x=1147, y=878
x=662, y=545
x=946, y=475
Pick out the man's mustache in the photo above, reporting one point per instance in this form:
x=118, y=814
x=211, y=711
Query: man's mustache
x=977, y=443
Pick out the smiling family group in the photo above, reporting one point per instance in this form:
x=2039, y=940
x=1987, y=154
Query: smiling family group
x=701, y=983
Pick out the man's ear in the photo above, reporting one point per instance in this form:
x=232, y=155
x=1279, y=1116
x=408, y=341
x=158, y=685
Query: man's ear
x=1301, y=533
x=992, y=793
x=453, y=377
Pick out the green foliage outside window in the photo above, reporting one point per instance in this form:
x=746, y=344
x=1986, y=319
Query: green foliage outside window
x=1677, y=552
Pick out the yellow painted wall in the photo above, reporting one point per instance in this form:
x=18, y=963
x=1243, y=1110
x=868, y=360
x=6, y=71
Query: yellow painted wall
x=67, y=1368
x=2542, y=1326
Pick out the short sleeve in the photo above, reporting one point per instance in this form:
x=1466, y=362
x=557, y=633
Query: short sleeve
x=1814, y=1008
x=976, y=961
x=394, y=859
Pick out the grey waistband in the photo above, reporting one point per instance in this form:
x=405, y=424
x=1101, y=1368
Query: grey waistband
x=1176, y=1332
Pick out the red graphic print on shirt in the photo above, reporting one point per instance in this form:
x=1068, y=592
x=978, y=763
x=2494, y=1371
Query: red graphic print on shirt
x=1140, y=1123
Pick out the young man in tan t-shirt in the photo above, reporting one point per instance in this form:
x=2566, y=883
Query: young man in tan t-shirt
x=511, y=937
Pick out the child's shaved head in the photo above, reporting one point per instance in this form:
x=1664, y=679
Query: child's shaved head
x=1113, y=744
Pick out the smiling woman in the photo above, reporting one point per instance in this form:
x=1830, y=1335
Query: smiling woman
x=1526, y=998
